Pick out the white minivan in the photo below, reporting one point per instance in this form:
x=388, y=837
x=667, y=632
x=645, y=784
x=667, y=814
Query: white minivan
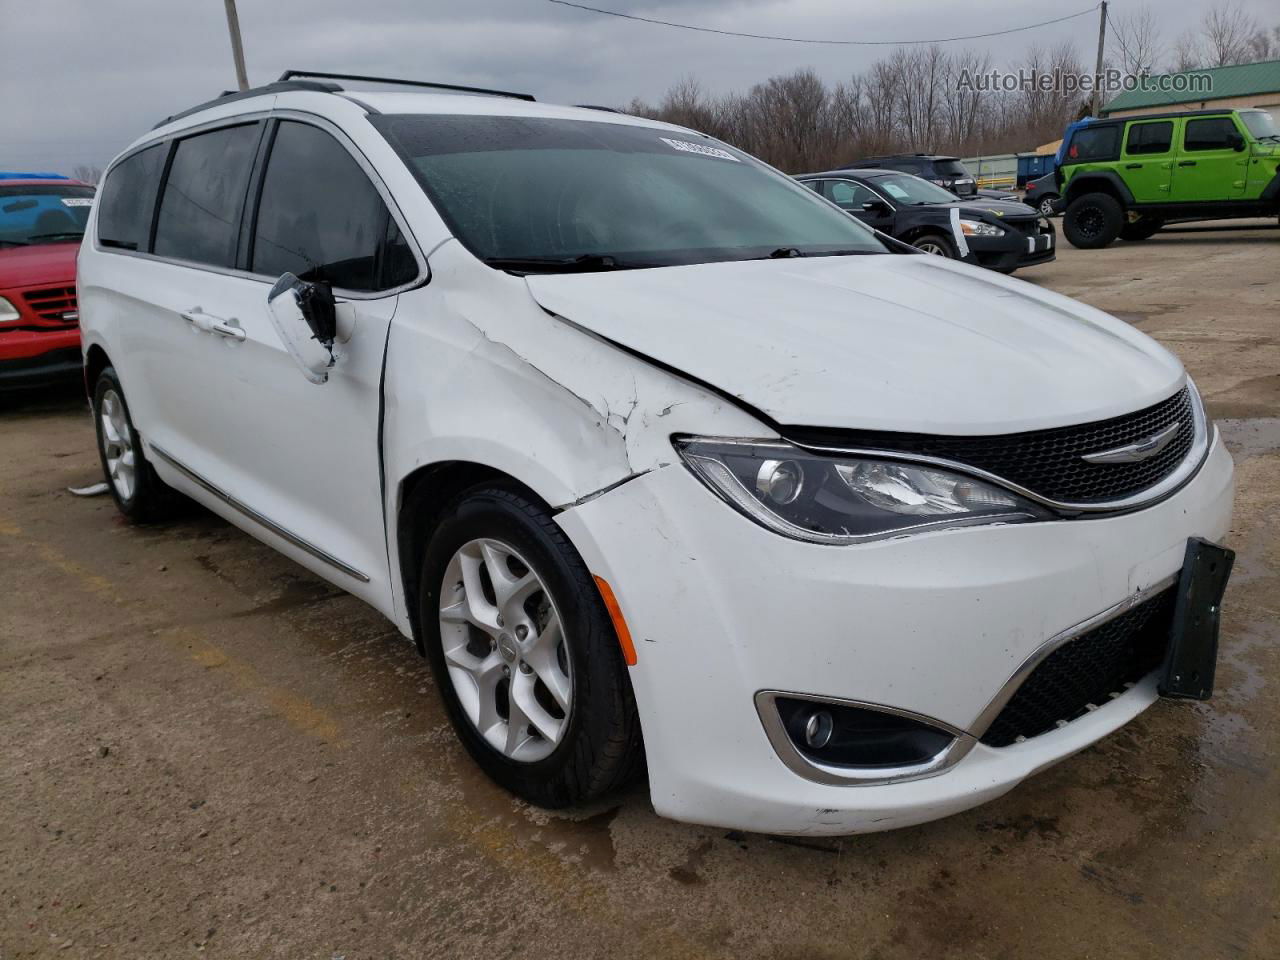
x=662, y=460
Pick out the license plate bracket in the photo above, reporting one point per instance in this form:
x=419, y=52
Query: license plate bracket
x=1192, y=655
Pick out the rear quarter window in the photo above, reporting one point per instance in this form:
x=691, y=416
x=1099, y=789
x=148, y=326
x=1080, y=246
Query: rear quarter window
x=127, y=199
x=1094, y=144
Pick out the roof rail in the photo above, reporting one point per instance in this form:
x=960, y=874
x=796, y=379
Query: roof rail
x=596, y=106
x=229, y=96
x=288, y=75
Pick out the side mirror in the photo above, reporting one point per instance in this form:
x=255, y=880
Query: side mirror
x=1236, y=141
x=875, y=206
x=304, y=316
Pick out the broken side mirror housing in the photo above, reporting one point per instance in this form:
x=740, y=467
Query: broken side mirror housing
x=305, y=318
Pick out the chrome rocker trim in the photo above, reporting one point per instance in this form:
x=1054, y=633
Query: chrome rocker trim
x=255, y=516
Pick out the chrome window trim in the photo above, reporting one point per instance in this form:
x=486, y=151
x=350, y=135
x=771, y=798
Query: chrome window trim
x=842, y=776
x=324, y=123
x=263, y=521
x=1204, y=438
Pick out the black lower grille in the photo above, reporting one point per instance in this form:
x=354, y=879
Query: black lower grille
x=1087, y=670
x=1047, y=462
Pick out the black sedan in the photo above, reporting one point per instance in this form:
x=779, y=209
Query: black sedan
x=997, y=234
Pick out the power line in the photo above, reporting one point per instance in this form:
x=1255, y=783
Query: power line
x=839, y=43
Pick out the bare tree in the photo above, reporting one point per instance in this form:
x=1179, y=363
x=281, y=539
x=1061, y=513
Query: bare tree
x=1137, y=35
x=1228, y=35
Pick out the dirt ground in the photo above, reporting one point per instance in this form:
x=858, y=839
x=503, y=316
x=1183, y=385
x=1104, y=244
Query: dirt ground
x=205, y=749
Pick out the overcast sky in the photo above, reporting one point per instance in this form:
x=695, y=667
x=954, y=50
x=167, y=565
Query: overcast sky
x=81, y=78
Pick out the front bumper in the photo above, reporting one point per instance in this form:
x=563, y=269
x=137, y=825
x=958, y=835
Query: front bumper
x=934, y=624
x=37, y=358
x=1015, y=249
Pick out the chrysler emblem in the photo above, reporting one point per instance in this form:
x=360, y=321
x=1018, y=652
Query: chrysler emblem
x=1136, y=452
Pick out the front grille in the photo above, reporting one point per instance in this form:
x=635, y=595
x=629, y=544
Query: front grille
x=52, y=303
x=1047, y=462
x=1087, y=671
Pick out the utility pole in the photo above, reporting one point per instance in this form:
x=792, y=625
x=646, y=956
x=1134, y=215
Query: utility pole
x=237, y=48
x=1097, y=73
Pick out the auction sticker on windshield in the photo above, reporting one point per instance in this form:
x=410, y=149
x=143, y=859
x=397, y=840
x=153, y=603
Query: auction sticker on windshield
x=699, y=148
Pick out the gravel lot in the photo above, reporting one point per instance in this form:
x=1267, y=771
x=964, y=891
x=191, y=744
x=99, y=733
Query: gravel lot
x=205, y=749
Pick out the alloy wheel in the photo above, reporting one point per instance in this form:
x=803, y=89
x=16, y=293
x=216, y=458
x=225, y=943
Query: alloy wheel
x=1046, y=206
x=117, y=445
x=1090, y=222
x=505, y=650
x=933, y=247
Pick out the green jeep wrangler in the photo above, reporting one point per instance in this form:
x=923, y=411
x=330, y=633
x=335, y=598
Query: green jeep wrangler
x=1124, y=177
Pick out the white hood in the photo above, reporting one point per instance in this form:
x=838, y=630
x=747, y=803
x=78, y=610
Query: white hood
x=903, y=343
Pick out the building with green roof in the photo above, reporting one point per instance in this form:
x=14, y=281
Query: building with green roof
x=1238, y=87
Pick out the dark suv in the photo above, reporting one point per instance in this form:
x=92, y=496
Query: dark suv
x=947, y=172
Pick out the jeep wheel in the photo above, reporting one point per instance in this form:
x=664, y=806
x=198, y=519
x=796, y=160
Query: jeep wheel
x=524, y=653
x=1092, y=221
x=1141, y=230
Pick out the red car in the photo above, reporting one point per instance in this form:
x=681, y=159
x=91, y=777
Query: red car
x=42, y=220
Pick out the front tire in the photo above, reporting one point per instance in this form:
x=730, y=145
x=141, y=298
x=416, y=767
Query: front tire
x=524, y=653
x=1092, y=221
x=138, y=492
x=937, y=244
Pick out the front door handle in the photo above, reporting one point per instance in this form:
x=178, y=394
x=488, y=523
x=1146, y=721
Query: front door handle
x=211, y=324
x=1133, y=166
x=1186, y=163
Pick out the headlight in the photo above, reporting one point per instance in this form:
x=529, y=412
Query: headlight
x=978, y=228
x=8, y=312
x=843, y=500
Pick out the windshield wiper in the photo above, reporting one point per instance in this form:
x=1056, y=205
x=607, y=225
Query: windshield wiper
x=586, y=263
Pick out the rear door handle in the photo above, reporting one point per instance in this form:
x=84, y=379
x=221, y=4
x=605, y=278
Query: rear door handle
x=1133, y=166
x=211, y=324
x=1186, y=163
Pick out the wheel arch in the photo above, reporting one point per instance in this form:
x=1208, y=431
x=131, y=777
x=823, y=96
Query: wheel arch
x=95, y=361
x=1098, y=181
x=421, y=498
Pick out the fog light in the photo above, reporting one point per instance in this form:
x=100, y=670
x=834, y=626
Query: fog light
x=817, y=731
x=844, y=735
x=779, y=480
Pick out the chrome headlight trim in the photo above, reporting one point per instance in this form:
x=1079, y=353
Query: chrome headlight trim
x=1201, y=444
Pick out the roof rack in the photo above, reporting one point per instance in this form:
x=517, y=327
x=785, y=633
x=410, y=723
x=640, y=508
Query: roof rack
x=323, y=83
x=596, y=106
x=288, y=75
x=229, y=96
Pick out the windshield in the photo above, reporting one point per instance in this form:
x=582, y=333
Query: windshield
x=31, y=214
x=551, y=194
x=950, y=168
x=1261, y=124
x=910, y=191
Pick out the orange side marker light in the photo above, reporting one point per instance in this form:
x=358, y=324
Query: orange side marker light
x=619, y=624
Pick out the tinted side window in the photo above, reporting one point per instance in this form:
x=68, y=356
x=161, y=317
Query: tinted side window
x=321, y=218
x=1149, y=138
x=127, y=199
x=1210, y=133
x=1094, y=143
x=906, y=166
x=203, y=195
